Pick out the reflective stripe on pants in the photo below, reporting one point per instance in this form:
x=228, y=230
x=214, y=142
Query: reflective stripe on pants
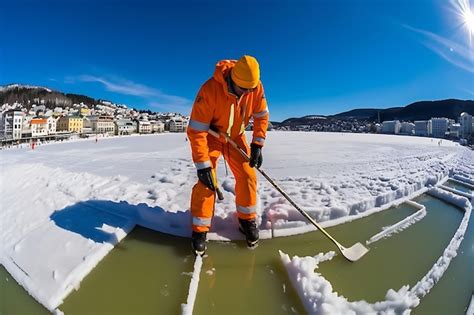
x=202, y=198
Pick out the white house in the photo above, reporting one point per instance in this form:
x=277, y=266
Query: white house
x=391, y=126
x=87, y=125
x=102, y=124
x=422, y=128
x=178, y=124
x=454, y=130
x=157, y=126
x=52, y=123
x=125, y=127
x=465, y=121
x=11, y=124
x=407, y=128
x=39, y=127
x=439, y=127
x=144, y=126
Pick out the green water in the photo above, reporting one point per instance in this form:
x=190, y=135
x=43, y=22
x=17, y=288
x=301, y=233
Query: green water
x=458, y=186
x=144, y=274
x=452, y=294
x=14, y=299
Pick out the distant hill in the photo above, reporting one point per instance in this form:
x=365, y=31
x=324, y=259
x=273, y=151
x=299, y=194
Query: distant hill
x=29, y=95
x=361, y=113
x=306, y=120
x=423, y=110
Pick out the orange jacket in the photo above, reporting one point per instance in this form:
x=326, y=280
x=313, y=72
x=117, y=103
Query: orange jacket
x=215, y=105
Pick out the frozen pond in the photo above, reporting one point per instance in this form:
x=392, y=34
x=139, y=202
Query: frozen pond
x=148, y=272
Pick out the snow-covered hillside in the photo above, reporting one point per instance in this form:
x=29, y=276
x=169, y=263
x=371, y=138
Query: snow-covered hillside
x=65, y=205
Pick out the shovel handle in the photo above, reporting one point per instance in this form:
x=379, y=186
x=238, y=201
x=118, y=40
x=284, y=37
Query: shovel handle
x=219, y=194
x=271, y=181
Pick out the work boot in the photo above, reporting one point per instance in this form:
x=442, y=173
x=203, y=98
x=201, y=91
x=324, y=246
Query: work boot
x=249, y=228
x=199, y=243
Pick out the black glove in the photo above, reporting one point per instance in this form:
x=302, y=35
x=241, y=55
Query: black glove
x=206, y=177
x=256, y=157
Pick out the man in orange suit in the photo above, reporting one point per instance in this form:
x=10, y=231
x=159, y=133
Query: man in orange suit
x=225, y=103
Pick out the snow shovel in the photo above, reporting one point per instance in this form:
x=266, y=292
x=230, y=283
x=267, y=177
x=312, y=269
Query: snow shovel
x=353, y=253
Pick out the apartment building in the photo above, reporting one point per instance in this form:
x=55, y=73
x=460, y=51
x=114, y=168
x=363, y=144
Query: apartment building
x=70, y=124
x=39, y=127
x=466, y=125
x=11, y=123
x=178, y=124
x=103, y=124
x=391, y=127
x=439, y=127
x=422, y=128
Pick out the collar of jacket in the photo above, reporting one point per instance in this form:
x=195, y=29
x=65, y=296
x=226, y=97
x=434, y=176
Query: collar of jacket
x=230, y=86
x=222, y=75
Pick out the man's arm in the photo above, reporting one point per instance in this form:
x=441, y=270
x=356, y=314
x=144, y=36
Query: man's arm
x=260, y=116
x=201, y=116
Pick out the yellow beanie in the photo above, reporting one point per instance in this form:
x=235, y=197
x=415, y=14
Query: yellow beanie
x=246, y=72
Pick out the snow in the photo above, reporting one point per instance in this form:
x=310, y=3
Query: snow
x=319, y=297
x=464, y=194
x=470, y=310
x=465, y=180
x=187, y=308
x=83, y=197
x=13, y=86
x=402, y=225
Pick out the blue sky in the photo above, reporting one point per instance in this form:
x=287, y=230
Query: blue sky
x=316, y=57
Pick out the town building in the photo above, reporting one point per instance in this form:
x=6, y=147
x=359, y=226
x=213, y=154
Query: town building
x=407, y=128
x=70, y=124
x=125, y=127
x=157, y=126
x=454, y=130
x=87, y=125
x=103, y=124
x=39, y=127
x=11, y=123
x=144, y=126
x=84, y=111
x=439, y=127
x=178, y=124
x=52, y=124
x=422, y=128
x=466, y=125
x=391, y=127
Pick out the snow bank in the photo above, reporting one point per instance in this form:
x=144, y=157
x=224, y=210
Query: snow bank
x=470, y=310
x=464, y=180
x=187, y=308
x=458, y=201
x=401, y=225
x=319, y=297
x=455, y=191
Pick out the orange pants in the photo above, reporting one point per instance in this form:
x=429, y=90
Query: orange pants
x=203, y=199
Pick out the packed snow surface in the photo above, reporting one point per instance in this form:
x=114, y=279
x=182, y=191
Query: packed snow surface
x=65, y=205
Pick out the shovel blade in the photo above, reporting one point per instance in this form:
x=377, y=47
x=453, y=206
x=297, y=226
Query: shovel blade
x=355, y=252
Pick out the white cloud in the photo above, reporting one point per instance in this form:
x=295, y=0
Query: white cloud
x=157, y=98
x=121, y=86
x=468, y=91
